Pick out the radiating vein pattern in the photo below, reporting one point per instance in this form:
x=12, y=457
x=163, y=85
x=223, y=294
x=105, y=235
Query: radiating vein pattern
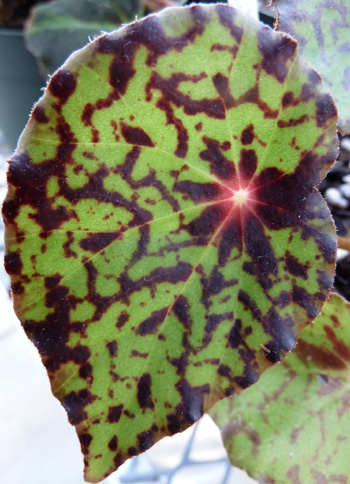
x=164, y=236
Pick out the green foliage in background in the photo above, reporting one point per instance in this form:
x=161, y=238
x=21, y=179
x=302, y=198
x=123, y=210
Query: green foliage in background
x=58, y=28
x=322, y=29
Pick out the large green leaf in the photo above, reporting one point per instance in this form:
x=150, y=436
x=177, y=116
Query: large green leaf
x=322, y=29
x=60, y=27
x=164, y=237
x=293, y=426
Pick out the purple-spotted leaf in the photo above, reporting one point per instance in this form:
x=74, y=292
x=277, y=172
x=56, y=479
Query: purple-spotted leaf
x=322, y=29
x=164, y=237
x=293, y=426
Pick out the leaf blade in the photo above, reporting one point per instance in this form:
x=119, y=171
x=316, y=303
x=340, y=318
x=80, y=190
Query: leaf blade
x=144, y=320
x=300, y=407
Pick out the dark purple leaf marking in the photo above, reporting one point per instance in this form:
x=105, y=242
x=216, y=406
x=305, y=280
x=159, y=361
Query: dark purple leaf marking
x=75, y=403
x=113, y=444
x=191, y=407
x=62, y=85
x=144, y=392
x=220, y=166
x=199, y=192
x=112, y=347
x=227, y=17
x=97, y=242
x=114, y=413
x=85, y=441
x=151, y=324
x=151, y=35
x=247, y=135
x=276, y=52
x=136, y=136
x=39, y=115
x=13, y=263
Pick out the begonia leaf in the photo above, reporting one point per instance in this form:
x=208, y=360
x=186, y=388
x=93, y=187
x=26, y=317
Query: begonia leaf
x=56, y=29
x=293, y=426
x=322, y=29
x=164, y=237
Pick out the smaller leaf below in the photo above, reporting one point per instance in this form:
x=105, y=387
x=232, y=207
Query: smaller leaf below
x=293, y=426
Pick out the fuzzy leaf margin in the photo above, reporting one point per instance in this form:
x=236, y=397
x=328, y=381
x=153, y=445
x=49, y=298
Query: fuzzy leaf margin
x=164, y=237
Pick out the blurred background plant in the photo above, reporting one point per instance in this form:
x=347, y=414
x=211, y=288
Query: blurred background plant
x=13, y=13
x=49, y=32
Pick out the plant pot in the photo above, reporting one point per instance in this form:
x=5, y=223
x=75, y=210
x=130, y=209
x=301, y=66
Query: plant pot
x=20, y=85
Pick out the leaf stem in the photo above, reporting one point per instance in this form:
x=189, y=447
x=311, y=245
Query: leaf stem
x=343, y=243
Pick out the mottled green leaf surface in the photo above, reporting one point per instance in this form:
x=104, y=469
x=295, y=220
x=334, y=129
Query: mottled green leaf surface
x=322, y=29
x=164, y=237
x=58, y=28
x=293, y=426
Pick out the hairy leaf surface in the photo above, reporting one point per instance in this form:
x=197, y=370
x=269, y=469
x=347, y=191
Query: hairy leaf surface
x=322, y=29
x=162, y=222
x=293, y=426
